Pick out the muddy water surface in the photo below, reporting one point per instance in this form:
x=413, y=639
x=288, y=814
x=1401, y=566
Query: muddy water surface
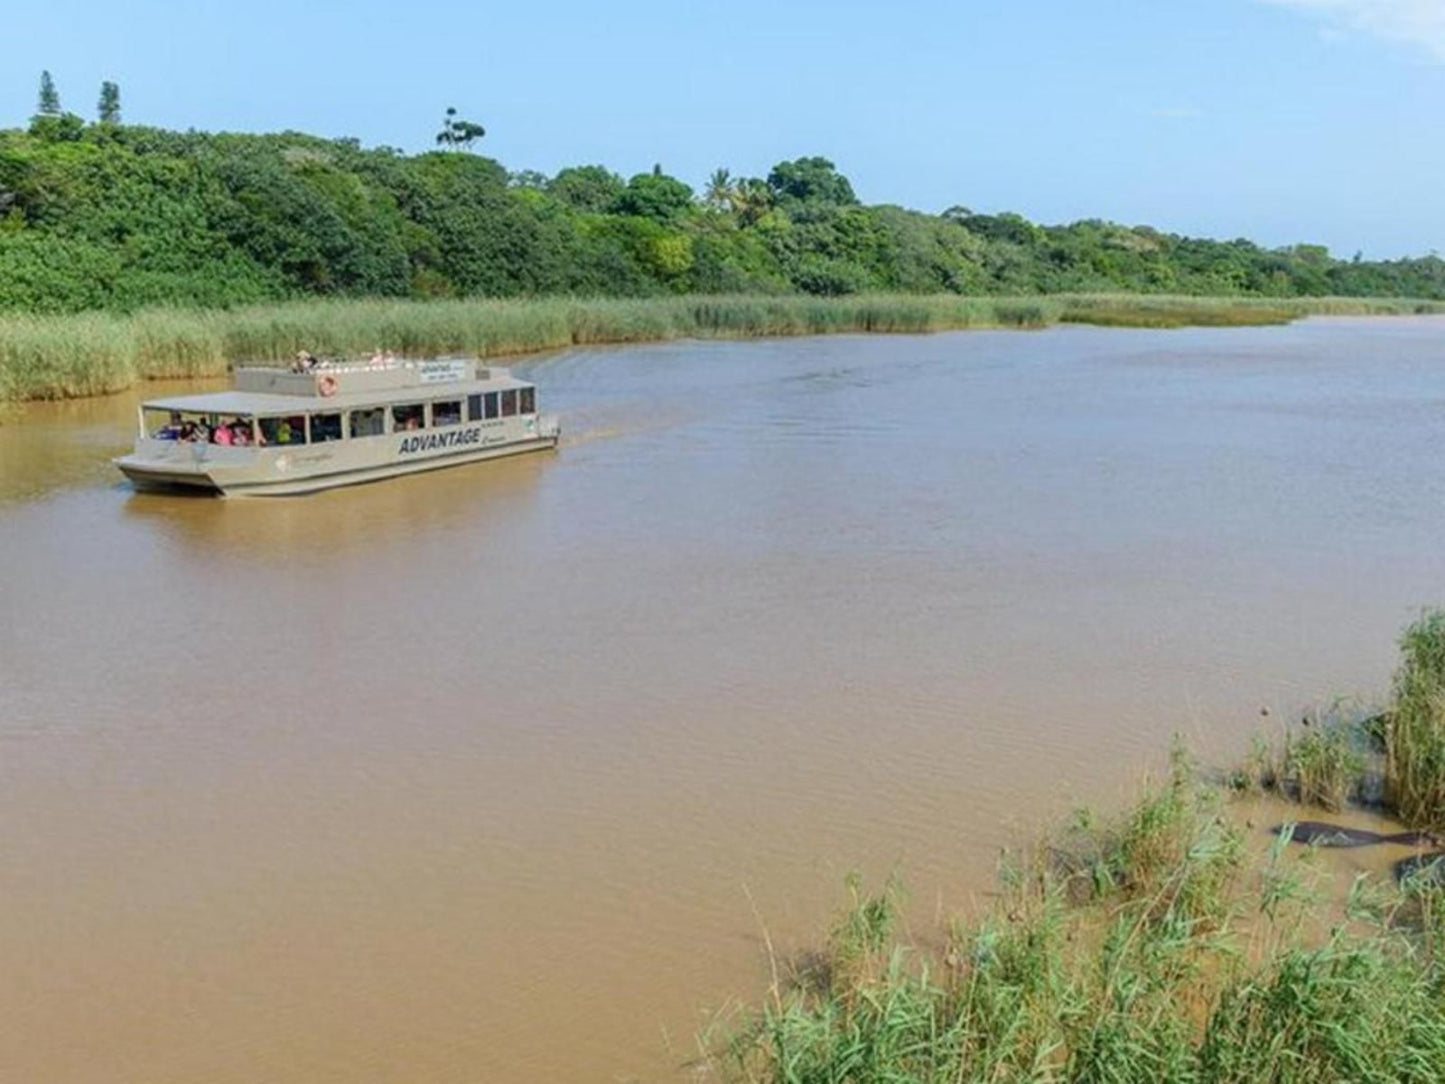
x=473, y=776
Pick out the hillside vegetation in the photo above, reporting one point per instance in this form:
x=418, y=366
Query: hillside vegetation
x=122, y=217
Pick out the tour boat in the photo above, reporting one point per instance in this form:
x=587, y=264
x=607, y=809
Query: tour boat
x=314, y=426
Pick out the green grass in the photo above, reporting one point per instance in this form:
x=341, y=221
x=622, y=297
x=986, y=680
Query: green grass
x=1145, y=948
x=1153, y=945
x=90, y=354
x=1327, y=762
x=1415, y=727
x=1173, y=312
x=1162, y=311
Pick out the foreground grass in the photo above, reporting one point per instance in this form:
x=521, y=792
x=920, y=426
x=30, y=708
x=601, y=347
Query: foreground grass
x=1153, y=946
x=1147, y=948
x=1393, y=758
x=1414, y=730
x=91, y=354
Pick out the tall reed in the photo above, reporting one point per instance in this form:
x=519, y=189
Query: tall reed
x=57, y=357
x=1415, y=726
x=1148, y=976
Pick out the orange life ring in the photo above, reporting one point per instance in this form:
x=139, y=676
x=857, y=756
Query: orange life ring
x=326, y=385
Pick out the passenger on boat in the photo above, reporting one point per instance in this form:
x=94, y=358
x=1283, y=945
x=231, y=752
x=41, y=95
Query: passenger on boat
x=305, y=362
x=240, y=432
x=171, y=430
x=221, y=434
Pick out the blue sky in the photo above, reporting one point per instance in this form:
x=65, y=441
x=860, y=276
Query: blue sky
x=1279, y=120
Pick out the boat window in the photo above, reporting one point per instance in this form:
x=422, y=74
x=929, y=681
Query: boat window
x=290, y=430
x=529, y=401
x=411, y=416
x=325, y=427
x=448, y=412
x=474, y=408
x=368, y=423
x=176, y=425
x=233, y=430
x=509, y=402
x=491, y=404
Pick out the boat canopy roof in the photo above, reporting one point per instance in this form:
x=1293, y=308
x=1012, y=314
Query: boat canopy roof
x=268, y=402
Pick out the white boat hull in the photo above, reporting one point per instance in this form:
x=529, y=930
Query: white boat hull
x=301, y=469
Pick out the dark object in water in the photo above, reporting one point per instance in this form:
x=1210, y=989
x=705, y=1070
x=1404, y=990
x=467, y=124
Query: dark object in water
x=1425, y=867
x=1320, y=834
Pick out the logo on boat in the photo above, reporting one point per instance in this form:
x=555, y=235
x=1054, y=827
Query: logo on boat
x=432, y=442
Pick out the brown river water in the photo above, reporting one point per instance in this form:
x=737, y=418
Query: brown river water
x=498, y=773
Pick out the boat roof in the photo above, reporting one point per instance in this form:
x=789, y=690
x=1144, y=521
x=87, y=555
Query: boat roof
x=256, y=402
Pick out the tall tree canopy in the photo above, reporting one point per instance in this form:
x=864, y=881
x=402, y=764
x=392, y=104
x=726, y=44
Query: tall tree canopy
x=48, y=101
x=812, y=181
x=118, y=216
x=108, y=108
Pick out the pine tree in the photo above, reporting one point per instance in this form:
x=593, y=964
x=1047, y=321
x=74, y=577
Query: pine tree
x=109, y=107
x=49, y=104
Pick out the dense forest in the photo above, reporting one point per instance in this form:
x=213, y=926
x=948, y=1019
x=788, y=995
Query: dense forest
x=108, y=215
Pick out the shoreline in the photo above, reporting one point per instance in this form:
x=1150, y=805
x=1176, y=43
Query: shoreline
x=1175, y=939
x=92, y=354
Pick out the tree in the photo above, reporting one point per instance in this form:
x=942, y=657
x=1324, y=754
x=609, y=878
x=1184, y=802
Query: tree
x=57, y=128
x=457, y=133
x=528, y=178
x=49, y=102
x=719, y=189
x=50, y=122
x=108, y=109
x=750, y=199
x=810, y=180
x=587, y=188
x=655, y=196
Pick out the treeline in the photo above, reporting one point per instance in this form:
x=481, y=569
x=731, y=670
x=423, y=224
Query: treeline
x=107, y=215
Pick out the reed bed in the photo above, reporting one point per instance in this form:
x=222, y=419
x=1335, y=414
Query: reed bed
x=1393, y=758
x=90, y=354
x=1145, y=948
x=1415, y=726
x=1153, y=945
x=1328, y=762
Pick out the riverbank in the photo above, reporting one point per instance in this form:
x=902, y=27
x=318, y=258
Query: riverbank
x=59, y=357
x=1170, y=943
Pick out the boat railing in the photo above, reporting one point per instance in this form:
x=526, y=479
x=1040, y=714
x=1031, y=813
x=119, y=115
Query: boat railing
x=328, y=377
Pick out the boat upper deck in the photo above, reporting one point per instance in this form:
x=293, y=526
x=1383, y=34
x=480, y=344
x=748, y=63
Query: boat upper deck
x=340, y=386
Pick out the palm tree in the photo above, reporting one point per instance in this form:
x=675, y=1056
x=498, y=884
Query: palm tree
x=719, y=189
x=751, y=198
